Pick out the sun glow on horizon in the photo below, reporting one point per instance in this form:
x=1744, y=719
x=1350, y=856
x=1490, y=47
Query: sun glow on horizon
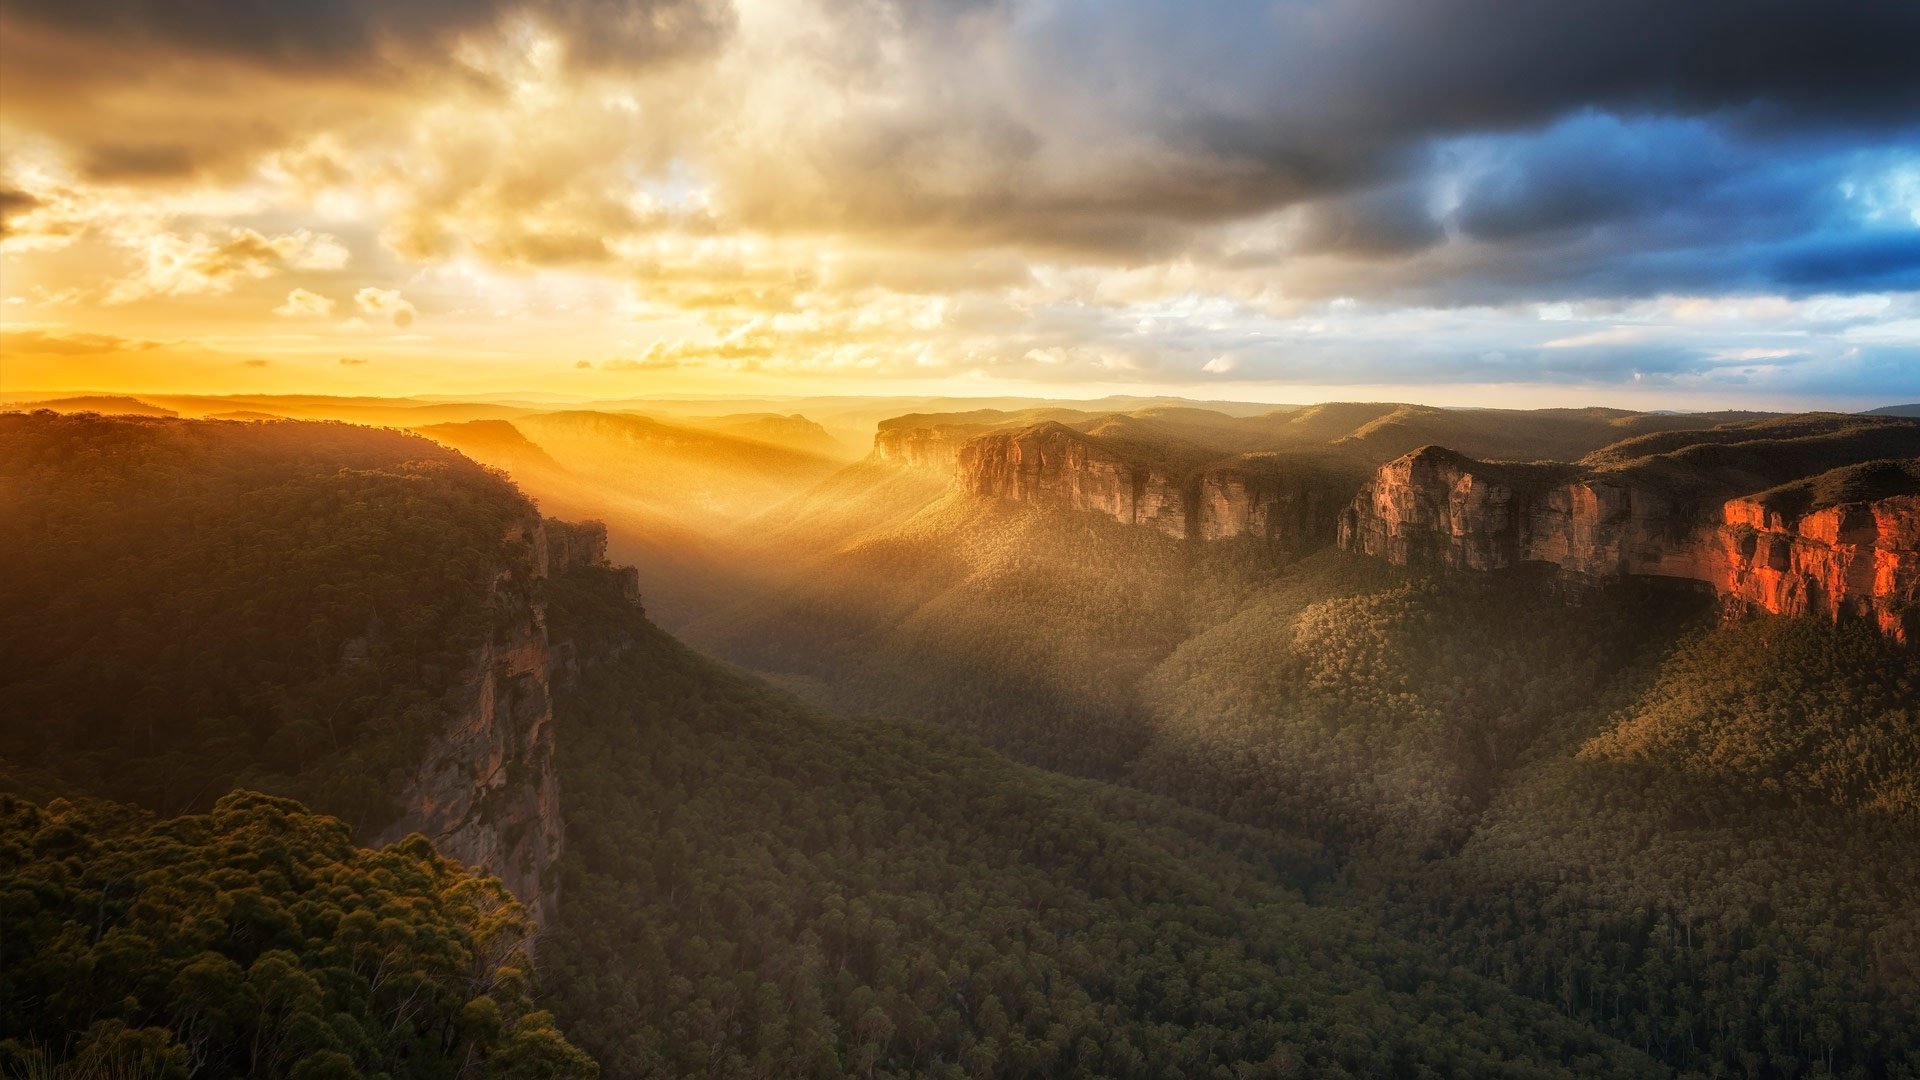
x=782, y=196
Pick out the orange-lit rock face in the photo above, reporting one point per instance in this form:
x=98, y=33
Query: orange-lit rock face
x=1860, y=559
x=1435, y=507
x=1053, y=465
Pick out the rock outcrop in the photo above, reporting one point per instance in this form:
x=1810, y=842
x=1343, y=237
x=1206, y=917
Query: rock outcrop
x=1860, y=559
x=1438, y=508
x=1270, y=497
x=486, y=791
x=1267, y=496
x=1054, y=465
x=934, y=448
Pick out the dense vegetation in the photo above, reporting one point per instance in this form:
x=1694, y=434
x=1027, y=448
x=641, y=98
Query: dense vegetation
x=1786, y=709
x=198, y=605
x=1698, y=880
x=755, y=888
x=255, y=940
x=1864, y=482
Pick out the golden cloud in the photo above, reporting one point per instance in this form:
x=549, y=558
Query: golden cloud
x=174, y=265
x=386, y=304
x=302, y=303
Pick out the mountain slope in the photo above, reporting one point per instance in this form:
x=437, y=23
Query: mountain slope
x=756, y=888
x=199, y=604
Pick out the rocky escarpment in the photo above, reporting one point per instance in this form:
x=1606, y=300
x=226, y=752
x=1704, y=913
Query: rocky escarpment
x=1054, y=465
x=932, y=448
x=486, y=792
x=1274, y=497
x=1279, y=498
x=1859, y=557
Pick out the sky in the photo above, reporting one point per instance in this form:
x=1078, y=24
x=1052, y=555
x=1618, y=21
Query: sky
x=1706, y=204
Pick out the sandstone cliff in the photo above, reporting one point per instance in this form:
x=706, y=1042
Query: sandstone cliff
x=1858, y=557
x=1183, y=492
x=1054, y=465
x=933, y=448
x=486, y=792
x=1288, y=500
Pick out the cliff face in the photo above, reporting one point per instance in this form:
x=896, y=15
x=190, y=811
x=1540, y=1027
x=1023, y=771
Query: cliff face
x=1054, y=465
x=1252, y=495
x=1269, y=500
x=1860, y=559
x=929, y=449
x=1434, y=507
x=486, y=792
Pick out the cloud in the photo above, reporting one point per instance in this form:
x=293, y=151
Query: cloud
x=71, y=344
x=351, y=361
x=367, y=36
x=255, y=362
x=175, y=265
x=301, y=304
x=1073, y=190
x=386, y=304
x=13, y=203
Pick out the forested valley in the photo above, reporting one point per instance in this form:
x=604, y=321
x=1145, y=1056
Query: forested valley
x=961, y=786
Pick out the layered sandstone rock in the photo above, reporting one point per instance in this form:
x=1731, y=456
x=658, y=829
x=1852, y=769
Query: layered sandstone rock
x=1438, y=508
x=928, y=449
x=1270, y=498
x=486, y=792
x=1262, y=496
x=1052, y=464
x=1860, y=559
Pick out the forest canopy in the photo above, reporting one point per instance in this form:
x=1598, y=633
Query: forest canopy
x=198, y=605
x=256, y=940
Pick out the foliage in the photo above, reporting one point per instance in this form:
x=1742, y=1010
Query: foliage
x=1699, y=882
x=1787, y=708
x=1865, y=482
x=1028, y=629
x=255, y=940
x=755, y=888
x=198, y=605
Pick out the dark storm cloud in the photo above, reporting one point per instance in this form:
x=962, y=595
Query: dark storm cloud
x=327, y=35
x=1436, y=152
x=1308, y=95
x=1421, y=143
x=1395, y=219
x=1597, y=205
